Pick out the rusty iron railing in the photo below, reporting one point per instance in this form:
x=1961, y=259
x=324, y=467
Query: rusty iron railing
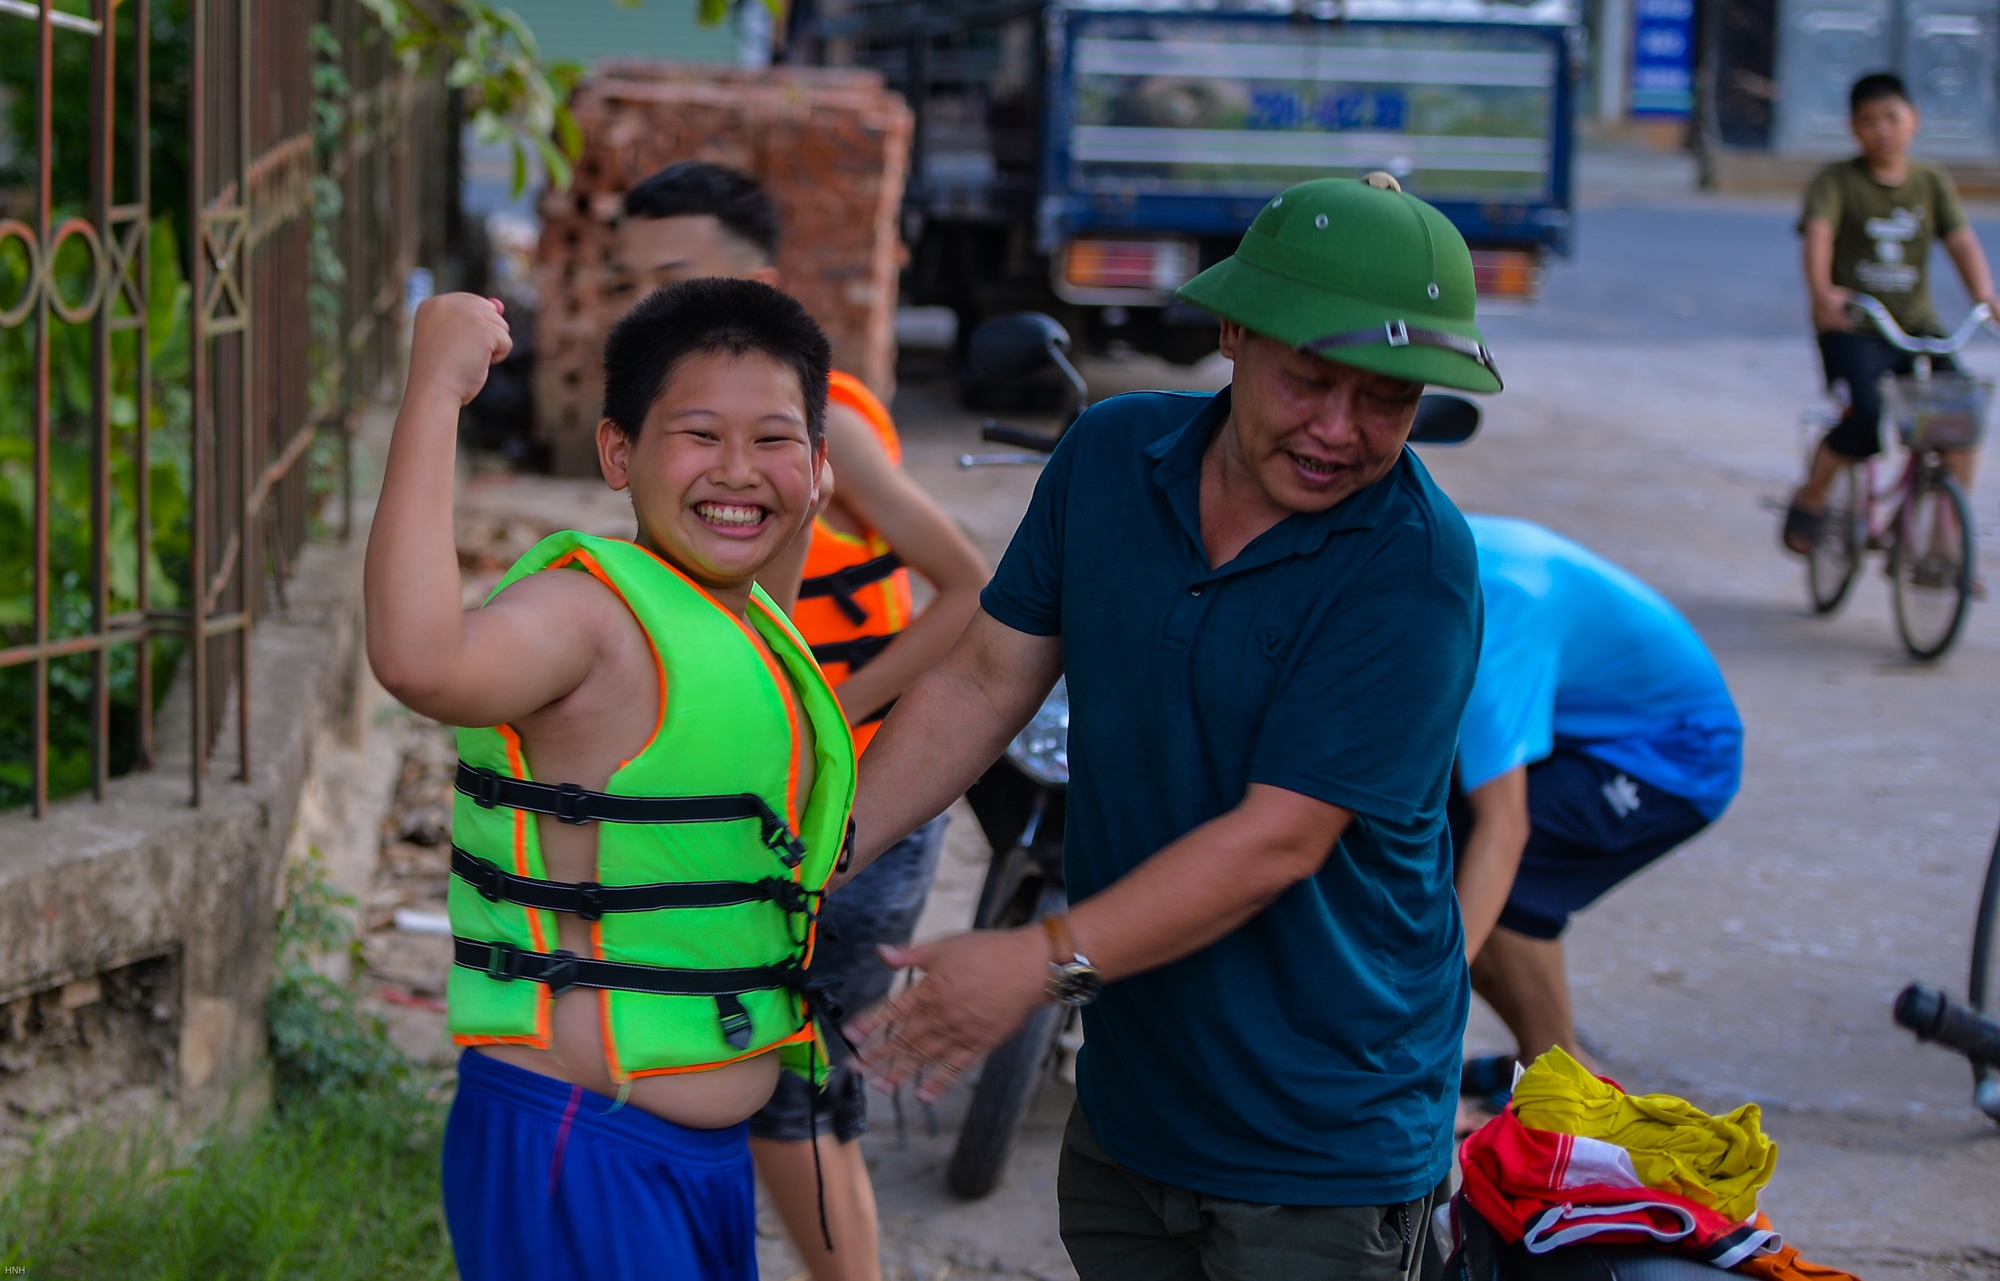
x=252, y=162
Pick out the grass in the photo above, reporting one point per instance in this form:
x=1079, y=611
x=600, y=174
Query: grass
x=341, y=1186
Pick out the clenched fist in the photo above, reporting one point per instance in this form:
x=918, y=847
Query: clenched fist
x=456, y=339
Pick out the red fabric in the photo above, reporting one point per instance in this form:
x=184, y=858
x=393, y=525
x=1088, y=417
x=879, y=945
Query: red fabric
x=1533, y=1186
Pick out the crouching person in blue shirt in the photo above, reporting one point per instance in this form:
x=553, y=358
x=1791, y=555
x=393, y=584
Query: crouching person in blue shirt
x=1268, y=617
x=1599, y=737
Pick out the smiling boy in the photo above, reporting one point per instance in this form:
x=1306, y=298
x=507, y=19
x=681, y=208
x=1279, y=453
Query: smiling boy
x=654, y=783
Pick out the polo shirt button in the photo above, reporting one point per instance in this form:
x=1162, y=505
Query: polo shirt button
x=1194, y=591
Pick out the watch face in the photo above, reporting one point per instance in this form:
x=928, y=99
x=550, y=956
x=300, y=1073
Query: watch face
x=1075, y=984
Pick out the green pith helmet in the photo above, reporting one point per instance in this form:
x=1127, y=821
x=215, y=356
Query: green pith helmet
x=1359, y=272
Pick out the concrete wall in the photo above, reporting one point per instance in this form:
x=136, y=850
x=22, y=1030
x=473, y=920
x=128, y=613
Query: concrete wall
x=136, y=933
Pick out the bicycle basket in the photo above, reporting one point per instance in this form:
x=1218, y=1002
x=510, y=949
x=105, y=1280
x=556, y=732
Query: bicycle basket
x=1945, y=411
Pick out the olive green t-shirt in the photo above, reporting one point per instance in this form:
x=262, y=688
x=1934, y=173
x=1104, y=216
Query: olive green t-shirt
x=1882, y=236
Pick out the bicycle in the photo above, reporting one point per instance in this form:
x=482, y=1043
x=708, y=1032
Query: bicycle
x=1922, y=520
x=1965, y=1026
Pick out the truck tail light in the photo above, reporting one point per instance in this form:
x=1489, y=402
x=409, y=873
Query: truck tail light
x=1094, y=263
x=1511, y=274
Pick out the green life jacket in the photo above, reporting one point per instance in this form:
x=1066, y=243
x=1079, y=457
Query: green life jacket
x=708, y=879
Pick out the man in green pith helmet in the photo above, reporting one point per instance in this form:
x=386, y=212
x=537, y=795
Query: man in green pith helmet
x=1269, y=619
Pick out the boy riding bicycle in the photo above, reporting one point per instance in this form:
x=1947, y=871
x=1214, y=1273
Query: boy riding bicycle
x=1868, y=225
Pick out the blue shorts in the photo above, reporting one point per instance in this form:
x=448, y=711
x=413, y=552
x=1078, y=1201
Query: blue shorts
x=1591, y=825
x=881, y=905
x=547, y=1181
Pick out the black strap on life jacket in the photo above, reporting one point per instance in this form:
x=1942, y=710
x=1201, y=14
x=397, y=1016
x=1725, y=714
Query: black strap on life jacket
x=565, y=970
x=588, y=900
x=841, y=584
x=857, y=653
x=561, y=971
x=569, y=803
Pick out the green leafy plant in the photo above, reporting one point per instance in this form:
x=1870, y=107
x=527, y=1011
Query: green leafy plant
x=339, y=1187
x=488, y=53
x=322, y=1040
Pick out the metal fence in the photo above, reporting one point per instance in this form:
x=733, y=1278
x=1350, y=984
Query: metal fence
x=260, y=391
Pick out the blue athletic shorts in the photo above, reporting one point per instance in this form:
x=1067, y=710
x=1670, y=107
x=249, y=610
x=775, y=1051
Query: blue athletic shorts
x=546, y=1181
x=881, y=905
x=1591, y=826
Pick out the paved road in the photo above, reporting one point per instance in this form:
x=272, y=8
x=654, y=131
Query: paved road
x=1653, y=401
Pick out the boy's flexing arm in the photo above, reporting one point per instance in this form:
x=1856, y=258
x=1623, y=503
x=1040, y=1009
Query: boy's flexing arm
x=480, y=667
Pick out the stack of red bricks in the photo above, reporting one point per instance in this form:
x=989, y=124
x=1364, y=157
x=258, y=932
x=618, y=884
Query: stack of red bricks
x=831, y=147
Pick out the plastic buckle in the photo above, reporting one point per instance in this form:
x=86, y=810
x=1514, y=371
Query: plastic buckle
x=735, y=1020
x=589, y=907
x=503, y=962
x=819, y=998
x=561, y=975
x=791, y=851
x=489, y=881
x=570, y=800
x=486, y=791
x=1399, y=333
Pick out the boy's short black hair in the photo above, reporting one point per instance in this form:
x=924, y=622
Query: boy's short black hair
x=712, y=314
x=1875, y=87
x=695, y=187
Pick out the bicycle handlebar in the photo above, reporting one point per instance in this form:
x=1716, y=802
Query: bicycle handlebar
x=1886, y=325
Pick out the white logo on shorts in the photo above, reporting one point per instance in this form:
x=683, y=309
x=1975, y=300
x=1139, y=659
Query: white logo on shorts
x=1622, y=794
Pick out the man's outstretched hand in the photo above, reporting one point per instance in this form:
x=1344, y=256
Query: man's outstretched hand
x=977, y=989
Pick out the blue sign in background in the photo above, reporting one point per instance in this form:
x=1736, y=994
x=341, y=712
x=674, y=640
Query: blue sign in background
x=1663, y=58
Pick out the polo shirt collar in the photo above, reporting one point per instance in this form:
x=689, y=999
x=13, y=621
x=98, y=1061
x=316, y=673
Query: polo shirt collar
x=1177, y=472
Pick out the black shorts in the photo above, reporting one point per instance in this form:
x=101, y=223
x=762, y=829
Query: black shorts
x=879, y=906
x=1858, y=361
x=1591, y=826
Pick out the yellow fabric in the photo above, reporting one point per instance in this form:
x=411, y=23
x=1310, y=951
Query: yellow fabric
x=1718, y=1161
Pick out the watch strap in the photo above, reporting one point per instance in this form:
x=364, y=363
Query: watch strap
x=1062, y=946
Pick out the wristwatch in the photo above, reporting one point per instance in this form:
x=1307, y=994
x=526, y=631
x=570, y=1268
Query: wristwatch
x=1073, y=980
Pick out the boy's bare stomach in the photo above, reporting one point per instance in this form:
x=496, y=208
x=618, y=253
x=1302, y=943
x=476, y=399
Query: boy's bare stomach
x=711, y=1100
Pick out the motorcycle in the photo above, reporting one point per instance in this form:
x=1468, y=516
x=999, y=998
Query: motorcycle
x=1967, y=1026
x=1019, y=802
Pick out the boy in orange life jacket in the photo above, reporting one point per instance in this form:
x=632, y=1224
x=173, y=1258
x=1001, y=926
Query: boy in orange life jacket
x=854, y=608
x=651, y=723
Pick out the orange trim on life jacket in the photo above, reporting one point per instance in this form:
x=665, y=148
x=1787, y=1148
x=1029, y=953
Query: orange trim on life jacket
x=532, y=1042
x=517, y=765
x=846, y=389
x=803, y=1034
x=543, y=1038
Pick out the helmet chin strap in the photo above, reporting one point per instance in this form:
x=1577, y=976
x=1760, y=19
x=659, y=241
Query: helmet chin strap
x=1399, y=333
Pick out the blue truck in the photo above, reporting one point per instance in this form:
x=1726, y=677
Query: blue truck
x=1086, y=157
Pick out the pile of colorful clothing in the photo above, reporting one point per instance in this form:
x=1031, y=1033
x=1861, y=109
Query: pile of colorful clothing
x=1575, y=1159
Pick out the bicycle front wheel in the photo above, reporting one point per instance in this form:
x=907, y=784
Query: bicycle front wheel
x=1836, y=554
x=1931, y=564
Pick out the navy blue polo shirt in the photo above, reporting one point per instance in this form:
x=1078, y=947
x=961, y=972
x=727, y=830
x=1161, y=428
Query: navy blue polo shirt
x=1311, y=1057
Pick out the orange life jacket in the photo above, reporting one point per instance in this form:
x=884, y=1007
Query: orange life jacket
x=855, y=596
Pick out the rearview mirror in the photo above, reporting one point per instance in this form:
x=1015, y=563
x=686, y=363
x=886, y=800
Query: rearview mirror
x=1008, y=348
x=1444, y=420
x=1011, y=347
